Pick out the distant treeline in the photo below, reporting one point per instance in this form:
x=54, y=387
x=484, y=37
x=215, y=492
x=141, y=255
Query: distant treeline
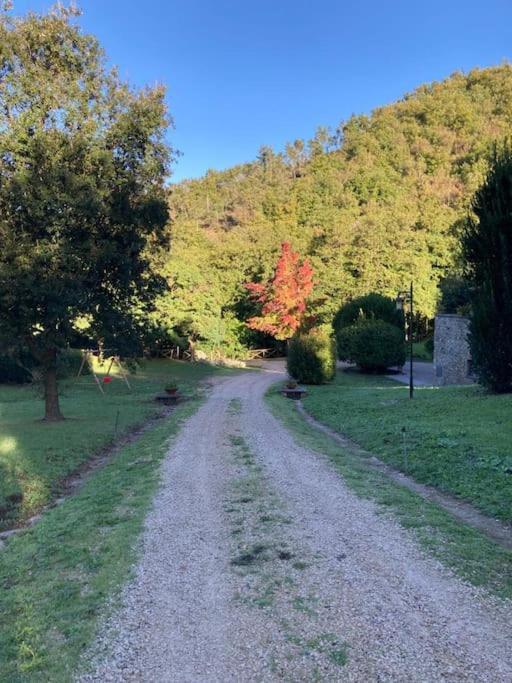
x=372, y=204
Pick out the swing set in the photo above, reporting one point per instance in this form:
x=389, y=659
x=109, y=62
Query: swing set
x=103, y=356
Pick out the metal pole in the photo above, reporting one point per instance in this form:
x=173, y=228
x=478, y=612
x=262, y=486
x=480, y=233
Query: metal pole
x=411, y=373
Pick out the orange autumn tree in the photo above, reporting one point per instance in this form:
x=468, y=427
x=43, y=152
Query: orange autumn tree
x=284, y=297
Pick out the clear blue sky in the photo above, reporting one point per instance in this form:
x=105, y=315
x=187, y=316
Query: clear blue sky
x=242, y=73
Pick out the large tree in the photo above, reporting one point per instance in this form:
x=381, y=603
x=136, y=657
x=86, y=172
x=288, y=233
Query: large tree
x=487, y=248
x=82, y=168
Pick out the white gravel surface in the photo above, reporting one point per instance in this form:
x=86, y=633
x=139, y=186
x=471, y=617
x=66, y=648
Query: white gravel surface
x=332, y=590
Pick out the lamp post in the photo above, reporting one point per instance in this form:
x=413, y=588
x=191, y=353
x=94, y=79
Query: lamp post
x=407, y=297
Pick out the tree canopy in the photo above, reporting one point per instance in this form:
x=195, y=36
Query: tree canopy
x=373, y=204
x=82, y=199
x=284, y=297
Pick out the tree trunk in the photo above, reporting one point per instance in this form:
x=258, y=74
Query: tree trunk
x=51, y=392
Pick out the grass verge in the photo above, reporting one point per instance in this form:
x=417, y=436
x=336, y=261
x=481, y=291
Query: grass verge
x=56, y=578
x=35, y=457
x=466, y=551
x=455, y=438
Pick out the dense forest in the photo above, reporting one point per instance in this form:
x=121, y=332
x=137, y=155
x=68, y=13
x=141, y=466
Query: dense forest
x=372, y=204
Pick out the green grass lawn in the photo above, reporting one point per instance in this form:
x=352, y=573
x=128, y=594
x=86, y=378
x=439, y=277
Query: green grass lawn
x=35, y=456
x=456, y=438
x=59, y=577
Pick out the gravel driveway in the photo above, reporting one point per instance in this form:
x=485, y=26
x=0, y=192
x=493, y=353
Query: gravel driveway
x=258, y=564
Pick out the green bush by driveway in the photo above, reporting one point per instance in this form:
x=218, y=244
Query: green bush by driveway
x=312, y=357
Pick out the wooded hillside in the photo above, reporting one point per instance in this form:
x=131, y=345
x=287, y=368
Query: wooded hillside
x=372, y=204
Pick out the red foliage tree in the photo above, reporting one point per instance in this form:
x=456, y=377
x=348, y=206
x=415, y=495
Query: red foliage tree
x=284, y=297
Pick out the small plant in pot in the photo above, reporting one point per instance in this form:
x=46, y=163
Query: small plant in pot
x=171, y=389
x=293, y=390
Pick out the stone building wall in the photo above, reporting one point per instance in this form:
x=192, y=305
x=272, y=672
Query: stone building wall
x=452, y=359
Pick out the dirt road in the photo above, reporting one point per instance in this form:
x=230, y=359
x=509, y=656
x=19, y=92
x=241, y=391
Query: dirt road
x=258, y=564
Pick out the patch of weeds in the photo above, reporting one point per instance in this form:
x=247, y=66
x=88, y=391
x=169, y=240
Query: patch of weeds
x=267, y=593
x=266, y=519
x=294, y=639
x=235, y=406
x=250, y=556
x=264, y=601
x=242, y=452
x=327, y=644
x=264, y=561
x=273, y=664
x=244, y=499
x=236, y=440
x=300, y=565
x=301, y=605
x=338, y=657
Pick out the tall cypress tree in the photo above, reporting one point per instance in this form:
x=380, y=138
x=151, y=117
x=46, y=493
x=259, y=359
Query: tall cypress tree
x=487, y=247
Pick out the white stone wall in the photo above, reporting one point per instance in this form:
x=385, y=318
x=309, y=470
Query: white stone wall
x=452, y=357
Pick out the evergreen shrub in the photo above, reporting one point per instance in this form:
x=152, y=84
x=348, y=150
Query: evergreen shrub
x=312, y=356
x=369, y=307
x=376, y=345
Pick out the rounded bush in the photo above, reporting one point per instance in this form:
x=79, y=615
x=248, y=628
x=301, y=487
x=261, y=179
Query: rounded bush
x=312, y=357
x=370, y=307
x=376, y=345
x=344, y=340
